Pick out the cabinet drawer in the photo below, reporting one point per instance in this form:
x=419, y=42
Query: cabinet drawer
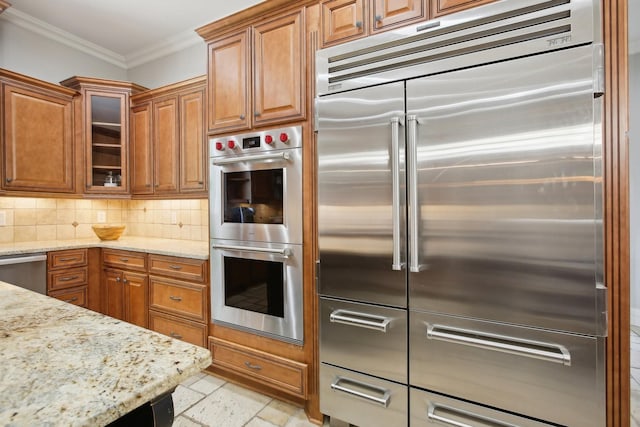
x=185, y=330
x=283, y=374
x=359, y=336
x=136, y=261
x=65, y=259
x=178, y=268
x=75, y=296
x=362, y=400
x=182, y=298
x=552, y=376
x=68, y=278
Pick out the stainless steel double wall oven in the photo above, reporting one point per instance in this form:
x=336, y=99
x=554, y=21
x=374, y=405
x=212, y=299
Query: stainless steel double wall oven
x=256, y=232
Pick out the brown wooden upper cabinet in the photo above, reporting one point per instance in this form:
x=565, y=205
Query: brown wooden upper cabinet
x=256, y=76
x=105, y=132
x=345, y=20
x=37, y=135
x=443, y=7
x=168, y=145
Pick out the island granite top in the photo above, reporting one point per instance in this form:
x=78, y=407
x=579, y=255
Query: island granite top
x=65, y=365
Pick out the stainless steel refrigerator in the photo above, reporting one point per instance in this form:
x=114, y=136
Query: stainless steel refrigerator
x=460, y=221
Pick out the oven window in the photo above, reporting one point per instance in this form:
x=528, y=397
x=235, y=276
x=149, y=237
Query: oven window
x=254, y=285
x=253, y=196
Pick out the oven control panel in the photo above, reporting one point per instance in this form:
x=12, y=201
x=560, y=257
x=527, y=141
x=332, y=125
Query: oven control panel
x=256, y=142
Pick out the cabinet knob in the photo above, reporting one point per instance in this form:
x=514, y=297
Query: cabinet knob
x=256, y=114
x=117, y=279
x=175, y=335
x=359, y=24
x=201, y=182
x=125, y=281
x=9, y=179
x=378, y=18
x=241, y=116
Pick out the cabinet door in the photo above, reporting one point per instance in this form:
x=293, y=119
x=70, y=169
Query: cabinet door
x=388, y=13
x=278, y=88
x=107, y=141
x=443, y=7
x=229, y=78
x=136, y=301
x=193, y=149
x=114, y=294
x=342, y=20
x=38, y=140
x=141, y=150
x=165, y=132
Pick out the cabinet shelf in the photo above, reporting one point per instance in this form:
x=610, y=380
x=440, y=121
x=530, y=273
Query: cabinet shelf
x=107, y=167
x=106, y=124
x=106, y=145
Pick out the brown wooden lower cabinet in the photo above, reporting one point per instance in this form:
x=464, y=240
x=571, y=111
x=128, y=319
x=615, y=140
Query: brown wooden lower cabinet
x=175, y=327
x=76, y=296
x=283, y=374
x=68, y=276
x=126, y=296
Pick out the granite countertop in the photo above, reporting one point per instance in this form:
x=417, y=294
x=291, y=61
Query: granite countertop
x=68, y=366
x=171, y=247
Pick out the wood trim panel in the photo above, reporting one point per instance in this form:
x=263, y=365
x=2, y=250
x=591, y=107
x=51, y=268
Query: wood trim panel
x=166, y=135
x=193, y=143
x=616, y=210
x=141, y=149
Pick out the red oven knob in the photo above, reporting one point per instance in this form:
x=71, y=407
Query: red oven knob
x=219, y=146
x=284, y=137
x=231, y=144
x=268, y=139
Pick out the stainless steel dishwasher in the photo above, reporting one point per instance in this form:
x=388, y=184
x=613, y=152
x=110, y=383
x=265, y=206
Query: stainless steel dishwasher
x=28, y=271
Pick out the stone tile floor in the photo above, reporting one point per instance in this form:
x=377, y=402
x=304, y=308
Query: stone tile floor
x=207, y=401
x=635, y=376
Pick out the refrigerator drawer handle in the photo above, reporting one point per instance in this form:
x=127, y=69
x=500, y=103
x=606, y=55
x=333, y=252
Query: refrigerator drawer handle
x=285, y=252
x=473, y=418
x=397, y=263
x=361, y=320
x=412, y=184
x=555, y=353
x=256, y=158
x=382, y=401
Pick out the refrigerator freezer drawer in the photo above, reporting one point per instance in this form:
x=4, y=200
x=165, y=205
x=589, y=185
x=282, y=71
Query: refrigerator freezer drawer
x=430, y=409
x=364, y=338
x=556, y=377
x=362, y=400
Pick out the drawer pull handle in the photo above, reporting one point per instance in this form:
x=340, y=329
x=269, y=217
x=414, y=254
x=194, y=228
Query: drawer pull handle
x=175, y=267
x=252, y=366
x=124, y=259
x=74, y=299
x=472, y=417
x=505, y=344
x=68, y=259
x=382, y=401
x=361, y=320
x=68, y=278
x=174, y=298
x=175, y=335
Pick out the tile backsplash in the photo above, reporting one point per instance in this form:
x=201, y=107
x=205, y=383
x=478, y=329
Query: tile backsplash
x=31, y=219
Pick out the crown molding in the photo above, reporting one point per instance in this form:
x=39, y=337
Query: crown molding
x=168, y=46
x=49, y=31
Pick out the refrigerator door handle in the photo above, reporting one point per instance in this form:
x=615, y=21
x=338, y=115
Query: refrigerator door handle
x=412, y=169
x=555, y=353
x=362, y=320
x=397, y=263
x=473, y=418
x=382, y=401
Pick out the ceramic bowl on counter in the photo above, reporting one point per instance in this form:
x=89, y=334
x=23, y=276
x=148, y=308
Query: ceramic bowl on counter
x=108, y=231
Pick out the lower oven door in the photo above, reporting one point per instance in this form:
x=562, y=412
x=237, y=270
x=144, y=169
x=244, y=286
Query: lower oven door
x=258, y=287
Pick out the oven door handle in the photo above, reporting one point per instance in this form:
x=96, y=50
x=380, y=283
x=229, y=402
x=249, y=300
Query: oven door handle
x=254, y=158
x=285, y=252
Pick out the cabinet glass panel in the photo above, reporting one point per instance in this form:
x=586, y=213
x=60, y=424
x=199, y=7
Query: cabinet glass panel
x=106, y=141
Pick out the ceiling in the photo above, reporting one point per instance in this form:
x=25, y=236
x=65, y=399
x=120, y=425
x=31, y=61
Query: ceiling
x=131, y=32
x=125, y=32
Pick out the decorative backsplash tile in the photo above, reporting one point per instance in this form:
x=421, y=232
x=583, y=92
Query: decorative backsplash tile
x=32, y=219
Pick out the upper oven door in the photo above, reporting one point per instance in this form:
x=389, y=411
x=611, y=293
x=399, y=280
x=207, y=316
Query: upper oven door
x=256, y=195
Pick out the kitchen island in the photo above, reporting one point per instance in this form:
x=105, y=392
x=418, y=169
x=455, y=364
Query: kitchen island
x=65, y=365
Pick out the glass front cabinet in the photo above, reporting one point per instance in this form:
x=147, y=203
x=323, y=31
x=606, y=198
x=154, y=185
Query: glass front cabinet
x=105, y=105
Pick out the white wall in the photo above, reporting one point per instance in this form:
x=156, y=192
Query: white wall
x=29, y=53
x=185, y=64
x=634, y=182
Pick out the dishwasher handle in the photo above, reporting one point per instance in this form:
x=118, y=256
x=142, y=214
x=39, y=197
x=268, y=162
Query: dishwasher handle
x=23, y=259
